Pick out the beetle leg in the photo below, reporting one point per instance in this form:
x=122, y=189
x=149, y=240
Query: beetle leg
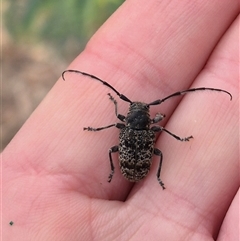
x=111, y=150
x=118, y=125
x=119, y=116
x=160, y=128
x=159, y=153
x=97, y=129
x=158, y=117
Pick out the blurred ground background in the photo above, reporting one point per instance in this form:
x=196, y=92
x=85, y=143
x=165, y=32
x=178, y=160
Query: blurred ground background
x=39, y=39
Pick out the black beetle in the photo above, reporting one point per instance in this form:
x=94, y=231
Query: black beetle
x=137, y=137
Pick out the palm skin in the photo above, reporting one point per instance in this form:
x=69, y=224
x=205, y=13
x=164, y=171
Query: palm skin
x=55, y=174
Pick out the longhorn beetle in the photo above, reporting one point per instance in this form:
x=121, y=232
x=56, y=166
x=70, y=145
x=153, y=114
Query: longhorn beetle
x=137, y=137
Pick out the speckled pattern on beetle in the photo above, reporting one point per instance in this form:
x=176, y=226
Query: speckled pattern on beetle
x=137, y=137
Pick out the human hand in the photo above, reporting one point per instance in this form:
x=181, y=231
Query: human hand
x=55, y=174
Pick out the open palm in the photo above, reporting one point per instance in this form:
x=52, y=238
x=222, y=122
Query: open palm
x=55, y=174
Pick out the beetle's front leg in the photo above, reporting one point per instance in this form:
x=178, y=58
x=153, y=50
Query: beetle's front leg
x=119, y=116
x=158, y=117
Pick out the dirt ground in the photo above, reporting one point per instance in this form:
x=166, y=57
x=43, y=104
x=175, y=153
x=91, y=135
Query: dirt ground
x=28, y=73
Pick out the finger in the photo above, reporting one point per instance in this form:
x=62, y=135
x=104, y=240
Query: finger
x=202, y=175
x=230, y=227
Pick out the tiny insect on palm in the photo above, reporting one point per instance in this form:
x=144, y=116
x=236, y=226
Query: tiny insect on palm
x=137, y=136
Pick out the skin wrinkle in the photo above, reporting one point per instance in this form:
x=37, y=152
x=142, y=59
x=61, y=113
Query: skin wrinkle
x=192, y=230
x=181, y=202
x=152, y=68
x=210, y=70
x=131, y=75
x=112, y=218
x=91, y=218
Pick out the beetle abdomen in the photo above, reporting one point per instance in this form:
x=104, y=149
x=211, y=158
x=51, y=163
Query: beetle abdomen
x=135, y=153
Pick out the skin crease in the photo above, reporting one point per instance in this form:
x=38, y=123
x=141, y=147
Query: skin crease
x=55, y=174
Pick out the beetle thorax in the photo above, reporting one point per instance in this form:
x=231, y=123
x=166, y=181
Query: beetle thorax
x=138, y=117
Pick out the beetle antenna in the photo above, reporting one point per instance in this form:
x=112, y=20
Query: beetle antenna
x=157, y=102
x=121, y=96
